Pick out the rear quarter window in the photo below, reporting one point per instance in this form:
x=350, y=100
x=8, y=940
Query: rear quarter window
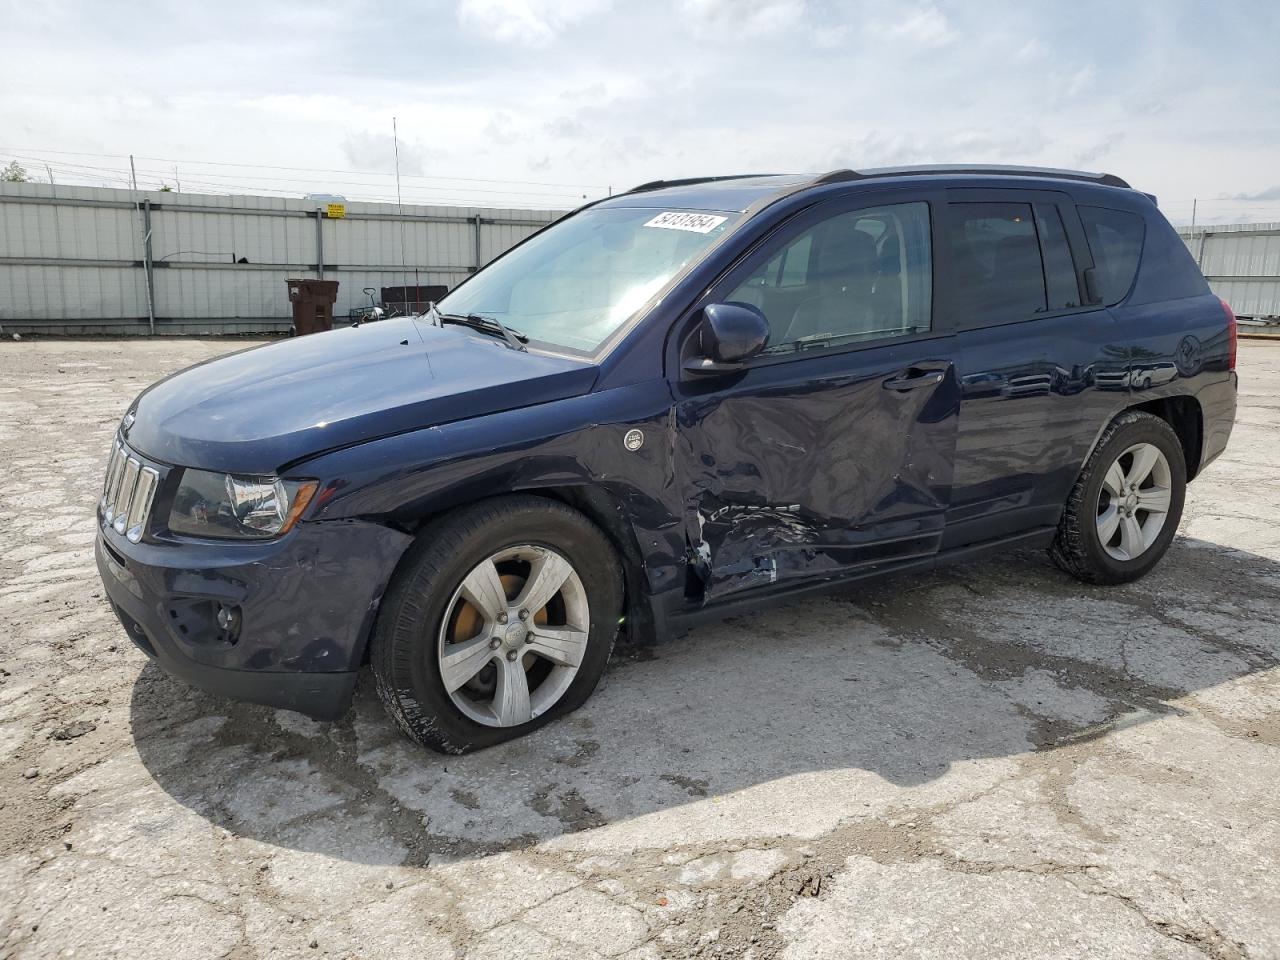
x=1115, y=240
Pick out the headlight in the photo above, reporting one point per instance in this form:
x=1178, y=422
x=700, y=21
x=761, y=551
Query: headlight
x=224, y=505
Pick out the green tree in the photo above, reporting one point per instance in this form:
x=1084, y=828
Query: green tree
x=14, y=173
x=165, y=188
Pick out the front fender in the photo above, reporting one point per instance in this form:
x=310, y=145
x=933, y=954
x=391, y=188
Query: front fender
x=576, y=443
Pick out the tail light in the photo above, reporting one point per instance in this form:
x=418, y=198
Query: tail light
x=1231, y=333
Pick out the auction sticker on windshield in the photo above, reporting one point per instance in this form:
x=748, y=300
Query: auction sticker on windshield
x=681, y=220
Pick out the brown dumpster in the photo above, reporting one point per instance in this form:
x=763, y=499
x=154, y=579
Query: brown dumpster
x=313, y=302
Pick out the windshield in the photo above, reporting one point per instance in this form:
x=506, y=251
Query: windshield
x=579, y=280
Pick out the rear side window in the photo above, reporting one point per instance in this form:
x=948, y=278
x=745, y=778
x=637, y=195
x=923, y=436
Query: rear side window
x=1115, y=240
x=999, y=270
x=1061, y=285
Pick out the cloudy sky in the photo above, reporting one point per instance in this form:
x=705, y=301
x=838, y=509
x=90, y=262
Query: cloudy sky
x=540, y=102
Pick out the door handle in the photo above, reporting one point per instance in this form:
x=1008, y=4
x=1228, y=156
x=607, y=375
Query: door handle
x=914, y=379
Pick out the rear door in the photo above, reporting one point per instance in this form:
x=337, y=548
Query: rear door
x=1040, y=369
x=833, y=449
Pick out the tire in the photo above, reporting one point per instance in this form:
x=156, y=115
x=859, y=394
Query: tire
x=1078, y=547
x=412, y=635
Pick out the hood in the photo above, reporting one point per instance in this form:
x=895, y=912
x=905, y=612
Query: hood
x=259, y=410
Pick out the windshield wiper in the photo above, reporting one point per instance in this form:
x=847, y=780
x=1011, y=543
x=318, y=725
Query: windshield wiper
x=491, y=325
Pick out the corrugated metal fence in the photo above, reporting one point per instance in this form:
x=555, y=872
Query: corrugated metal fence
x=73, y=260
x=1242, y=264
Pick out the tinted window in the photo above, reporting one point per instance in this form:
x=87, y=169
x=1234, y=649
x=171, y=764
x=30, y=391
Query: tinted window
x=790, y=268
x=794, y=268
x=999, y=272
x=1115, y=240
x=1061, y=284
x=855, y=276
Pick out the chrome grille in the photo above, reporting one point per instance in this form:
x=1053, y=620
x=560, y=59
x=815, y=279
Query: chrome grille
x=127, y=492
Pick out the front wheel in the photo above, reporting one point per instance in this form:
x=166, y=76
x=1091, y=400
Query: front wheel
x=1124, y=509
x=501, y=617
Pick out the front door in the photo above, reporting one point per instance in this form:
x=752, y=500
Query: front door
x=832, y=450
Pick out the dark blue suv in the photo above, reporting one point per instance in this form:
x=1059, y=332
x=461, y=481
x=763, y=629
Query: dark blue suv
x=670, y=405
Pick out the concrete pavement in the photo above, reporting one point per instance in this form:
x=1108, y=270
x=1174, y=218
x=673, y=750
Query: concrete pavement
x=988, y=761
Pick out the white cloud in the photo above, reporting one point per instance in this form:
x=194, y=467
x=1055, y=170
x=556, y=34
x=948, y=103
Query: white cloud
x=927, y=27
x=880, y=148
x=744, y=16
x=1031, y=51
x=1091, y=153
x=377, y=151
x=537, y=94
x=831, y=36
x=501, y=128
x=1079, y=81
x=531, y=22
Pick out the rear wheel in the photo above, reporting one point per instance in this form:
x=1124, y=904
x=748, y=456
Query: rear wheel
x=501, y=618
x=1124, y=509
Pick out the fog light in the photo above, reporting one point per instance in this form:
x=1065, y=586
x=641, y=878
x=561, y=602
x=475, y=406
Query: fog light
x=229, y=621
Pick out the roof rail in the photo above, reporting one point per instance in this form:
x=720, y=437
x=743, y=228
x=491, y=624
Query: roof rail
x=689, y=181
x=839, y=176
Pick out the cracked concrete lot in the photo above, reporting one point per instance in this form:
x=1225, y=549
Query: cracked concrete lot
x=991, y=761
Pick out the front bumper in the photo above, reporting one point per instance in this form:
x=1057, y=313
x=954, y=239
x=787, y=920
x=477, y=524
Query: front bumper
x=304, y=607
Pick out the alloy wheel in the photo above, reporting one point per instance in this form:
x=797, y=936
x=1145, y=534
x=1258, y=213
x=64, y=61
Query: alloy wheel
x=1133, y=503
x=513, y=636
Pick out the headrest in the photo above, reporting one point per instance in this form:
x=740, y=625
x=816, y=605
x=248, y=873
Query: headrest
x=846, y=252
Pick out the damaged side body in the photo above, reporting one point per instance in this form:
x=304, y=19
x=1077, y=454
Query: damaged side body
x=813, y=469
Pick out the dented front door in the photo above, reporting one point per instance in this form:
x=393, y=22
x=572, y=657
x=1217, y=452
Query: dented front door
x=812, y=467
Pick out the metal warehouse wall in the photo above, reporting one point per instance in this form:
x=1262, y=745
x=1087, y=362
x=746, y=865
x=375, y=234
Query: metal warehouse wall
x=73, y=259
x=1242, y=264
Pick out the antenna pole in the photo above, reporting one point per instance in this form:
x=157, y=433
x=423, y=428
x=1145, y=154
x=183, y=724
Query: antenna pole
x=395, y=140
x=404, y=272
x=144, y=226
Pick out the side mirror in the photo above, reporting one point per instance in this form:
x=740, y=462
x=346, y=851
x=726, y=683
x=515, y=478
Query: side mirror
x=729, y=335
